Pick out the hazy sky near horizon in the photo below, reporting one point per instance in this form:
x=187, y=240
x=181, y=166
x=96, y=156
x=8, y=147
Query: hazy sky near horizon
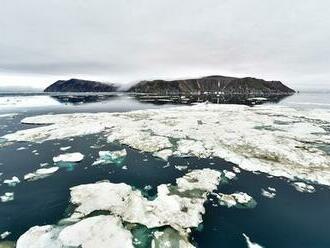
x=128, y=40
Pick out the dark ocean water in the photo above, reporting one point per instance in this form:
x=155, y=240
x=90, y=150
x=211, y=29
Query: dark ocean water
x=290, y=220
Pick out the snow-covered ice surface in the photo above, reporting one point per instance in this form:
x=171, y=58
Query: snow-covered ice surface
x=69, y=157
x=12, y=182
x=240, y=200
x=277, y=140
x=7, y=196
x=40, y=173
x=177, y=207
x=108, y=157
x=23, y=102
x=303, y=187
x=251, y=244
x=98, y=231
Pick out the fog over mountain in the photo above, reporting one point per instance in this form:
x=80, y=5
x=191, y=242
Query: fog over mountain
x=128, y=41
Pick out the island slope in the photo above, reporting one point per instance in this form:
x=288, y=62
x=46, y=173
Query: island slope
x=78, y=85
x=211, y=84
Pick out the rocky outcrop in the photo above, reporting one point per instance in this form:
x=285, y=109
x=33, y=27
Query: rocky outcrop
x=212, y=84
x=78, y=85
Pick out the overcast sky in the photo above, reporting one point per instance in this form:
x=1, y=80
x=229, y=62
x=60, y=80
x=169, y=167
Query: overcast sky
x=125, y=41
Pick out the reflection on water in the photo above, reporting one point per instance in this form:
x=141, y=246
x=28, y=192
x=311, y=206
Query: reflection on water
x=77, y=99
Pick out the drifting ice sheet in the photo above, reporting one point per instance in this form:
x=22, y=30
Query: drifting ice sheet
x=276, y=140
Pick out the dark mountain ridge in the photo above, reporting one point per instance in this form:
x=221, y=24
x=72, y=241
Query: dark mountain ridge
x=78, y=85
x=210, y=84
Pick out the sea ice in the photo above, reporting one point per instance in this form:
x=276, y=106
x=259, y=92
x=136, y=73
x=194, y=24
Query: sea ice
x=12, y=182
x=4, y=234
x=65, y=148
x=40, y=237
x=241, y=200
x=303, y=187
x=40, y=173
x=176, y=207
x=9, y=115
x=163, y=154
x=107, y=157
x=229, y=174
x=251, y=244
x=99, y=231
x=69, y=157
x=276, y=140
x=268, y=194
x=170, y=238
x=11, y=102
x=179, y=206
x=8, y=196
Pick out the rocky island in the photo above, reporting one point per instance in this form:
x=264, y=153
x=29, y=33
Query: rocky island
x=79, y=85
x=213, y=84
x=210, y=84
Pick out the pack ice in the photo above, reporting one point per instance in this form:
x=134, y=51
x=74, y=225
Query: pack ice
x=277, y=140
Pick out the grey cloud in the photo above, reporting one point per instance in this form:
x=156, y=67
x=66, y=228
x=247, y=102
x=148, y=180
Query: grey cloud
x=131, y=40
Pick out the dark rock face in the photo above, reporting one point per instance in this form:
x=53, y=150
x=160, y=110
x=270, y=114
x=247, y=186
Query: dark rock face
x=77, y=85
x=212, y=84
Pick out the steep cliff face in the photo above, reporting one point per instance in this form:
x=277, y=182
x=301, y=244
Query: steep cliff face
x=227, y=85
x=78, y=85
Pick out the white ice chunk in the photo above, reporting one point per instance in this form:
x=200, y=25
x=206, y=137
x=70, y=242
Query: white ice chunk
x=106, y=157
x=65, y=148
x=251, y=244
x=40, y=173
x=229, y=174
x=40, y=237
x=69, y=157
x=239, y=199
x=268, y=194
x=163, y=154
x=303, y=187
x=6, y=197
x=12, y=182
x=169, y=238
x=279, y=141
x=178, y=206
x=99, y=231
x=4, y=235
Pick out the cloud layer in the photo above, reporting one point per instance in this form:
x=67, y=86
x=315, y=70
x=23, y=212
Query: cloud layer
x=129, y=40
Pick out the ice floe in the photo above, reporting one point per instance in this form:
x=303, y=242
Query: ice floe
x=108, y=157
x=69, y=157
x=12, y=102
x=12, y=182
x=240, y=200
x=40, y=173
x=277, y=140
x=303, y=187
x=6, y=197
x=65, y=148
x=169, y=238
x=251, y=244
x=8, y=115
x=99, y=231
x=267, y=193
x=229, y=174
x=163, y=154
x=176, y=207
x=179, y=206
x=5, y=234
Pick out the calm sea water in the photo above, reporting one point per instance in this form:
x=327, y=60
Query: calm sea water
x=290, y=220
